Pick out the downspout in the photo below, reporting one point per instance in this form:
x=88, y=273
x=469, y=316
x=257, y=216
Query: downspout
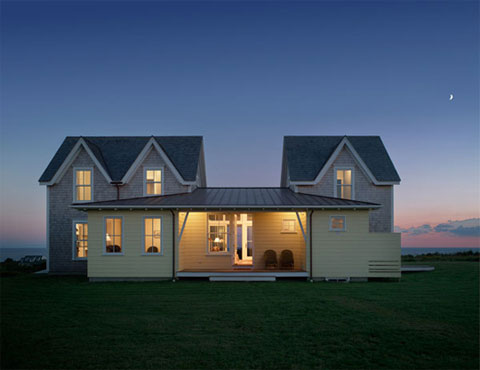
x=311, y=248
x=117, y=185
x=174, y=237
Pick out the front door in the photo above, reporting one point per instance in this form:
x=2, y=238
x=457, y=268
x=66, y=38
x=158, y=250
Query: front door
x=244, y=239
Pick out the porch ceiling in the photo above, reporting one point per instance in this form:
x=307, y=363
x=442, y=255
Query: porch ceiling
x=232, y=198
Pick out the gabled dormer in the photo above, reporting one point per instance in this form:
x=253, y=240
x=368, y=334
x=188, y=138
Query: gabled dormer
x=136, y=166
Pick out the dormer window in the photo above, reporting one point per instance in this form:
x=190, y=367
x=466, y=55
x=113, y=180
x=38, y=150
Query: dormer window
x=83, y=184
x=344, y=183
x=153, y=181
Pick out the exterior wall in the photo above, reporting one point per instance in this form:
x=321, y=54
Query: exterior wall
x=364, y=190
x=61, y=215
x=355, y=253
x=132, y=264
x=267, y=234
x=134, y=188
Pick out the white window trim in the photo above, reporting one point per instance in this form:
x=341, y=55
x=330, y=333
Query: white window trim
x=75, y=169
x=335, y=169
x=157, y=168
x=74, y=239
x=105, y=237
x=294, y=226
x=344, y=223
x=144, y=235
x=229, y=250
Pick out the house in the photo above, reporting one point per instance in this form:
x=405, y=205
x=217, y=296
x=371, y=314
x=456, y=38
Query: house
x=139, y=208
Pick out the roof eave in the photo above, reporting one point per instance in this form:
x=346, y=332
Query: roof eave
x=218, y=207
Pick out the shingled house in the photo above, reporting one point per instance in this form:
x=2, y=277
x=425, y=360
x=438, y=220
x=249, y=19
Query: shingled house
x=139, y=208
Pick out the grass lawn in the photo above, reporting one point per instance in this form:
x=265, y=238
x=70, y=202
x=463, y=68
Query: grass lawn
x=427, y=320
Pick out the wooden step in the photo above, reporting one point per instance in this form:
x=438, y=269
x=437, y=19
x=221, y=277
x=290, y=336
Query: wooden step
x=242, y=278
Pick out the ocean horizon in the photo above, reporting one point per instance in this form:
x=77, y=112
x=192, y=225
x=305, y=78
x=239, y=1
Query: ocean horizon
x=16, y=253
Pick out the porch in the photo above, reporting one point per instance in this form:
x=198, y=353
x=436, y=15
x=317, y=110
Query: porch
x=228, y=244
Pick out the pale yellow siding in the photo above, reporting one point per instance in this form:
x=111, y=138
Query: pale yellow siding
x=267, y=234
x=132, y=264
x=355, y=253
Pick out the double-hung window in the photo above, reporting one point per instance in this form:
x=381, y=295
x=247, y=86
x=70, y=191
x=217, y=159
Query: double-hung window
x=218, y=229
x=83, y=185
x=113, y=235
x=343, y=183
x=152, y=235
x=288, y=226
x=153, y=181
x=80, y=239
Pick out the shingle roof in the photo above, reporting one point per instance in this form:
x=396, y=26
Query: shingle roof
x=117, y=153
x=306, y=155
x=233, y=198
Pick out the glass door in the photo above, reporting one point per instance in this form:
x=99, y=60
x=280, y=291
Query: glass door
x=244, y=239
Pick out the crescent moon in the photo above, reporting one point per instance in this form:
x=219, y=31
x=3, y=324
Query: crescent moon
x=451, y=97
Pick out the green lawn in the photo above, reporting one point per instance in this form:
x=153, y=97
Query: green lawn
x=428, y=320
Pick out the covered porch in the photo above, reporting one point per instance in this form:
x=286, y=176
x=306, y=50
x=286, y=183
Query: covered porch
x=231, y=244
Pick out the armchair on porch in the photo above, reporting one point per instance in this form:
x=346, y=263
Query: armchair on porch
x=270, y=257
x=286, y=260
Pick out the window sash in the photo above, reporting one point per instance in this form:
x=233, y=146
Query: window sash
x=153, y=181
x=218, y=228
x=152, y=235
x=81, y=239
x=113, y=235
x=338, y=223
x=288, y=226
x=83, y=185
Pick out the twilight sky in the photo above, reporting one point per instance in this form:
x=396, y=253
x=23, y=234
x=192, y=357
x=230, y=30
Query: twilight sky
x=243, y=75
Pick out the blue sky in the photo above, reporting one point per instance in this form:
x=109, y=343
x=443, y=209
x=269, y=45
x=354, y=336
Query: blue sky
x=243, y=74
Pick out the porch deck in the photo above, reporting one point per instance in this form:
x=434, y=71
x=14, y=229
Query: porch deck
x=242, y=273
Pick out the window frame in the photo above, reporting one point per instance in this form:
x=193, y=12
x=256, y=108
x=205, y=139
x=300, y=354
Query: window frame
x=283, y=231
x=75, y=169
x=144, y=253
x=228, y=252
x=335, y=169
x=74, y=240
x=162, y=182
x=330, y=228
x=105, y=253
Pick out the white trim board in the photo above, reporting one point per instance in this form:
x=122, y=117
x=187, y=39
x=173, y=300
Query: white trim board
x=152, y=143
x=69, y=160
x=333, y=157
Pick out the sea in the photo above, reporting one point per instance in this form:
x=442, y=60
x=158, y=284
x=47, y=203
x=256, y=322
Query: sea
x=17, y=253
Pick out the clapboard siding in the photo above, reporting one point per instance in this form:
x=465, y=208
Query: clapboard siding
x=267, y=234
x=132, y=264
x=267, y=227
x=355, y=252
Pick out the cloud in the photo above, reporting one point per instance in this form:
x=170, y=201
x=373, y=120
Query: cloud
x=463, y=228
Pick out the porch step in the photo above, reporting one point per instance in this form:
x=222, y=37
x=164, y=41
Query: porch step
x=242, y=278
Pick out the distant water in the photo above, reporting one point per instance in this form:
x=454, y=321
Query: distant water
x=417, y=251
x=17, y=253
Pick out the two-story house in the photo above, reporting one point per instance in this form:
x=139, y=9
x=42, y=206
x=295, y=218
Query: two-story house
x=138, y=208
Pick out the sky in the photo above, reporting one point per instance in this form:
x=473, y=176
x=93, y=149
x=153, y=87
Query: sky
x=243, y=75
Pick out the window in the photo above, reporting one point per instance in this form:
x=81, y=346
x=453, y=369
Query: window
x=80, y=239
x=337, y=223
x=83, y=185
x=153, y=181
x=343, y=184
x=113, y=234
x=152, y=243
x=218, y=229
x=288, y=226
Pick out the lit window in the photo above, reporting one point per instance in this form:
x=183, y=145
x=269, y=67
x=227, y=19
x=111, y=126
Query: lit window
x=113, y=234
x=288, y=226
x=83, y=185
x=153, y=235
x=344, y=184
x=337, y=223
x=218, y=229
x=153, y=182
x=80, y=240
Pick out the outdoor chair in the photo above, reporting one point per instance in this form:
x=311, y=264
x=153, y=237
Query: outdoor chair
x=286, y=260
x=270, y=258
